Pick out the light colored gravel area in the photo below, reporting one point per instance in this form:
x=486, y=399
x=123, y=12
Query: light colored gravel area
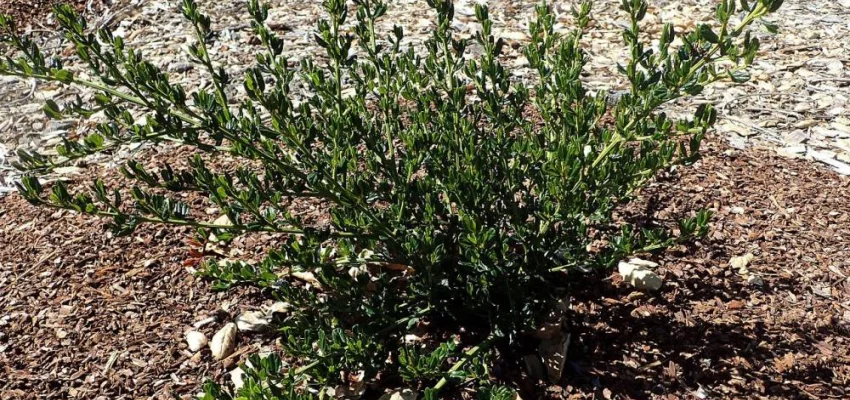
x=797, y=101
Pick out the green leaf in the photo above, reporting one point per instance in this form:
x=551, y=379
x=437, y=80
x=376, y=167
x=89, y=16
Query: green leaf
x=51, y=109
x=708, y=34
x=474, y=195
x=739, y=76
x=63, y=76
x=770, y=26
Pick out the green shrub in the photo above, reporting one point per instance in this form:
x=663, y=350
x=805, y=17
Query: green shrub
x=459, y=197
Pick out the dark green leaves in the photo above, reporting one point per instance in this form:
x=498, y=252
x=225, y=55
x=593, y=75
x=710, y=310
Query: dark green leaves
x=463, y=204
x=770, y=26
x=51, y=109
x=63, y=76
x=708, y=34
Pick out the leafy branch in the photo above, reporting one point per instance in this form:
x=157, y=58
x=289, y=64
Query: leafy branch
x=457, y=195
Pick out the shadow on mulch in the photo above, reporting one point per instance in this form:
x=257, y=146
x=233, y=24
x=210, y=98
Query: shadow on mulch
x=708, y=333
x=691, y=356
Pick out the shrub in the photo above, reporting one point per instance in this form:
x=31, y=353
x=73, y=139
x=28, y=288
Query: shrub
x=460, y=198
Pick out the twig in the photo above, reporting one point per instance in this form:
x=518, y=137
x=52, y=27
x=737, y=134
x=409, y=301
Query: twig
x=112, y=358
x=770, y=110
x=818, y=80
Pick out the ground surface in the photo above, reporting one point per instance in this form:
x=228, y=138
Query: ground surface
x=87, y=315
x=35, y=16
x=84, y=315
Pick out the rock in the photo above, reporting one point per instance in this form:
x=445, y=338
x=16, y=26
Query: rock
x=60, y=125
x=836, y=111
x=737, y=142
x=224, y=341
x=740, y=130
x=625, y=269
x=645, y=280
x=223, y=220
x=701, y=393
x=740, y=263
x=253, y=321
x=755, y=280
x=824, y=154
x=638, y=273
x=737, y=210
x=237, y=378
x=404, y=394
x=196, y=340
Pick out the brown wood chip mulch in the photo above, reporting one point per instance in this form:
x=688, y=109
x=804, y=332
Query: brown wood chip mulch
x=85, y=315
x=33, y=14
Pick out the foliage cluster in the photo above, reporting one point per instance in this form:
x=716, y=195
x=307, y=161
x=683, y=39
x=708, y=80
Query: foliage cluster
x=460, y=198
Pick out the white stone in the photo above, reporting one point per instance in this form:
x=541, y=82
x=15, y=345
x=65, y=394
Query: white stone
x=645, y=280
x=639, y=275
x=196, y=340
x=625, y=269
x=223, y=220
x=224, y=341
x=740, y=263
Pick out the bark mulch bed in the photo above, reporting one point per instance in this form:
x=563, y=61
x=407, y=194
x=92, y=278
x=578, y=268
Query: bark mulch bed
x=86, y=315
x=33, y=14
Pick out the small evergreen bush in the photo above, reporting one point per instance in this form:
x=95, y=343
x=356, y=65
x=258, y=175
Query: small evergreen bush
x=460, y=198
